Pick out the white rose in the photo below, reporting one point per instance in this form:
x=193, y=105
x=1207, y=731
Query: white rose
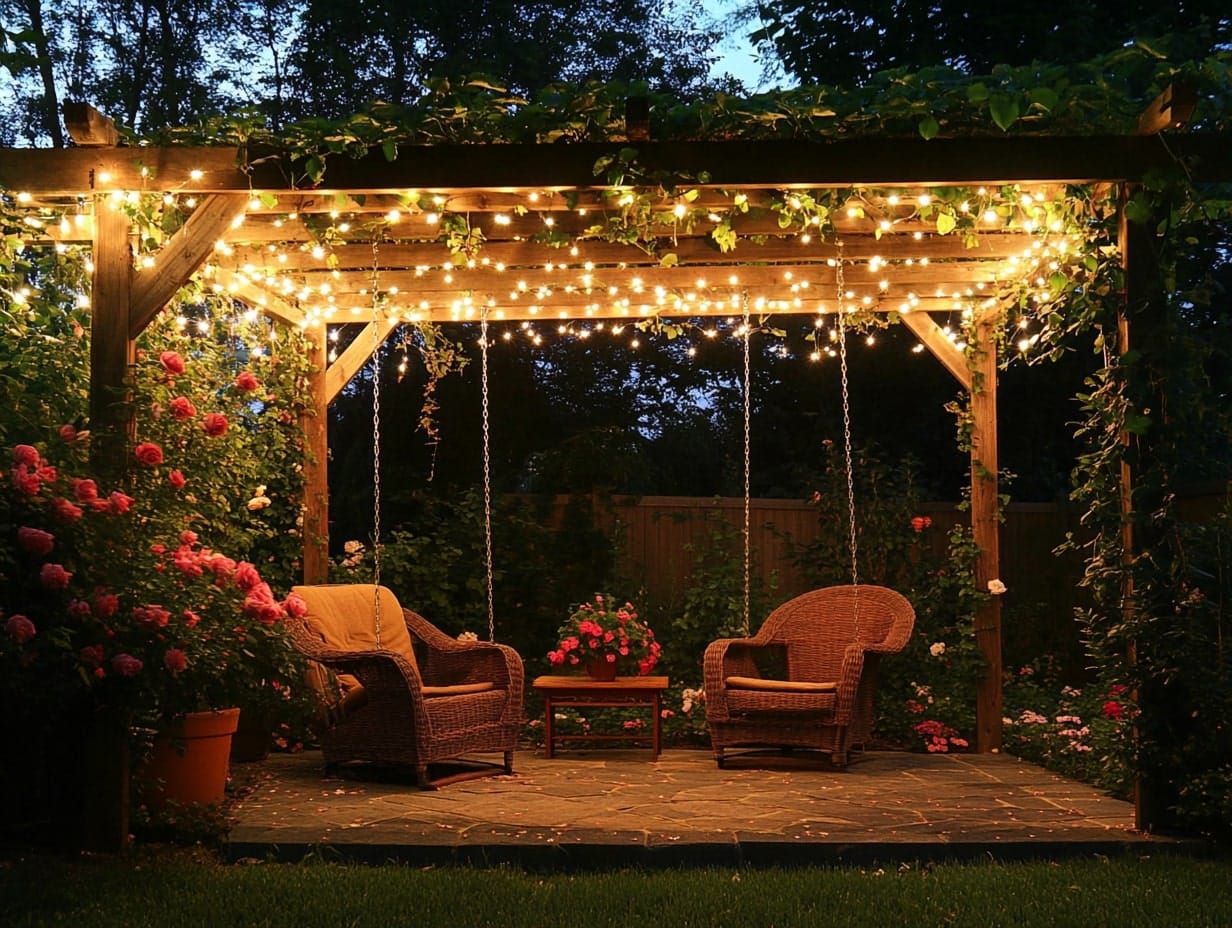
x=937, y=649
x=996, y=587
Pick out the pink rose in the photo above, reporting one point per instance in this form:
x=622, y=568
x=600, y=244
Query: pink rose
x=20, y=628
x=246, y=576
x=54, y=577
x=85, y=491
x=65, y=511
x=261, y=605
x=152, y=616
x=68, y=434
x=120, y=503
x=92, y=655
x=47, y=472
x=26, y=454
x=126, y=665
x=188, y=538
x=246, y=381
x=26, y=481
x=182, y=408
x=295, y=605
x=172, y=362
x=106, y=604
x=175, y=660
x=79, y=609
x=177, y=479
x=191, y=619
x=214, y=424
x=35, y=540
x=149, y=454
x=221, y=566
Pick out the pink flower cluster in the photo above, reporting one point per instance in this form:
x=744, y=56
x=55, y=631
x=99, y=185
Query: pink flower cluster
x=602, y=631
x=939, y=737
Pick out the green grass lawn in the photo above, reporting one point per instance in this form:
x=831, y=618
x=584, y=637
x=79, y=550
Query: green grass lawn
x=171, y=888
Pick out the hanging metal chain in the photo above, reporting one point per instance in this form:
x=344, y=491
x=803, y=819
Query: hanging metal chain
x=376, y=440
x=747, y=462
x=487, y=472
x=842, y=354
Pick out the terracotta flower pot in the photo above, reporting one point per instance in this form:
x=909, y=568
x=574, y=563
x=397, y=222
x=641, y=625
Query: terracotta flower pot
x=189, y=763
x=601, y=670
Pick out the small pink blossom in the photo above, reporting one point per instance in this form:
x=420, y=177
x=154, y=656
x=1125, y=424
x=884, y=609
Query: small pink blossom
x=214, y=424
x=126, y=665
x=152, y=616
x=54, y=577
x=295, y=605
x=106, y=604
x=177, y=479
x=182, y=408
x=246, y=576
x=64, y=510
x=246, y=382
x=120, y=503
x=27, y=455
x=84, y=490
x=20, y=628
x=148, y=454
x=172, y=362
x=175, y=660
x=35, y=540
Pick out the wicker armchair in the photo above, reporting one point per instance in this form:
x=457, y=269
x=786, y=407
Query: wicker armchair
x=414, y=697
x=829, y=642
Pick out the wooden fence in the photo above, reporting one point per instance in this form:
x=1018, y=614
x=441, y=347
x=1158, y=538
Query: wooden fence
x=658, y=535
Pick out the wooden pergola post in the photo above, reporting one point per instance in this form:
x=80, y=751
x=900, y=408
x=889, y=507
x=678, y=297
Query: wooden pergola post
x=985, y=528
x=112, y=350
x=315, y=423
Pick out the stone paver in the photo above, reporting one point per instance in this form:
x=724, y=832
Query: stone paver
x=607, y=808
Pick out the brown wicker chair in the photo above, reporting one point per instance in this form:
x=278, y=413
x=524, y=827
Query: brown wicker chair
x=829, y=642
x=414, y=698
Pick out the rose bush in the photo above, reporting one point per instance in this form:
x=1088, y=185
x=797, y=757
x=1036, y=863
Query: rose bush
x=111, y=593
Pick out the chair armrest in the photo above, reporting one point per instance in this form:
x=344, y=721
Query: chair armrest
x=727, y=657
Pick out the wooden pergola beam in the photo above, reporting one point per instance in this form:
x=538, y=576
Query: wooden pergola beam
x=89, y=128
x=944, y=350
x=353, y=357
x=180, y=258
x=1172, y=109
x=754, y=164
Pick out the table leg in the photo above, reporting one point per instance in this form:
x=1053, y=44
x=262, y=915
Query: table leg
x=548, y=715
x=658, y=733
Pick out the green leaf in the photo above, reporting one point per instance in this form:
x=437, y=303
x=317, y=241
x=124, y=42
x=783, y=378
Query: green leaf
x=929, y=127
x=1004, y=110
x=977, y=93
x=389, y=148
x=946, y=223
x=671, y=259
x=1045, y=98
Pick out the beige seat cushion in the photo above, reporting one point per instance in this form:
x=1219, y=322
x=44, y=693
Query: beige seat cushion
x=458, y=689
x=779, y=686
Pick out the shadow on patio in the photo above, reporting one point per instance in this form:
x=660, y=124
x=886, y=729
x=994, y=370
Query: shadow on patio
x=615, y=808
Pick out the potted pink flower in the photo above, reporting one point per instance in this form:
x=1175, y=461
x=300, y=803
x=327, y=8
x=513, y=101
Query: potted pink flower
x=604, y=637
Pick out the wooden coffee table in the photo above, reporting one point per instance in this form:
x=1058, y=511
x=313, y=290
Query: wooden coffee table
x=583, y=691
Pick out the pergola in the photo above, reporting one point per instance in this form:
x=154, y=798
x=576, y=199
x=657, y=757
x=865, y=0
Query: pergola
x=544, y=259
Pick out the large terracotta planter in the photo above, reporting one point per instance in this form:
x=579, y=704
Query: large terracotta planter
x=189, y=763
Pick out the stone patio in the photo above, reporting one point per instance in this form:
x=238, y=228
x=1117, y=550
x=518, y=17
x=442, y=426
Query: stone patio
x=616, y=808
